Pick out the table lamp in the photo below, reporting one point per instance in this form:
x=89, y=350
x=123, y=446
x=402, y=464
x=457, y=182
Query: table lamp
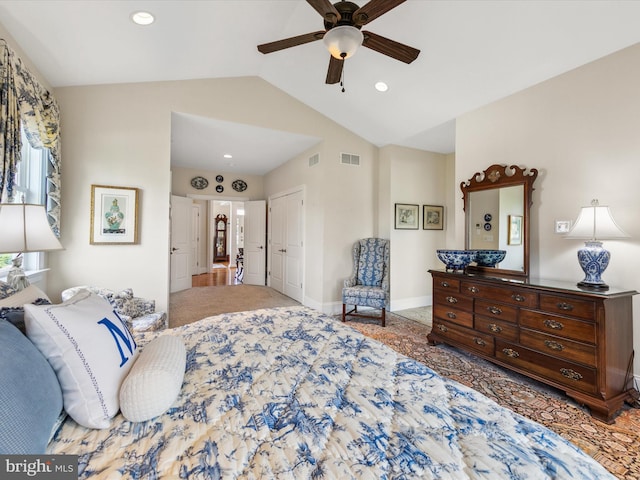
x=594, y=224
x=24, y=228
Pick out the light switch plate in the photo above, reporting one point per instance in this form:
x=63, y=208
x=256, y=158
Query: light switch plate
x=563, y=226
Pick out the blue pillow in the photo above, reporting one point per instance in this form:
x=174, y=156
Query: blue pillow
x=30, y=395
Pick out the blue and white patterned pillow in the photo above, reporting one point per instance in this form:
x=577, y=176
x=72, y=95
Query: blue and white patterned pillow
x=6, y=290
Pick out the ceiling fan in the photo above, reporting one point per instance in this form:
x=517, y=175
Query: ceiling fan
x=342, y=36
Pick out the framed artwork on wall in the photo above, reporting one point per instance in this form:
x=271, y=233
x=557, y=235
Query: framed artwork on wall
x=432, y=217
x=406, y=216
x=515, y=230
x=114, y=215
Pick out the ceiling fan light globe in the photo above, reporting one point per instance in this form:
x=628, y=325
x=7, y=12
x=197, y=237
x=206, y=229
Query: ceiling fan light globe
x=343, y=41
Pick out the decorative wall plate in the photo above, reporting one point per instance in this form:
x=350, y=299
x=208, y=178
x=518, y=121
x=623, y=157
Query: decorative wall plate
x=199, y=182
x=219, y=178
x=219, y=188
x=239, y=185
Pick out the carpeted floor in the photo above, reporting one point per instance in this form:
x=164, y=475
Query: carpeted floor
x=197, y=303
x=616, y=446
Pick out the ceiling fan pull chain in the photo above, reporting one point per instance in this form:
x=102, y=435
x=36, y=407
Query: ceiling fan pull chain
x=342, y=76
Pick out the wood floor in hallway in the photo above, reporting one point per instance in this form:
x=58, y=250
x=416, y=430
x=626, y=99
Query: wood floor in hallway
x=216, y=277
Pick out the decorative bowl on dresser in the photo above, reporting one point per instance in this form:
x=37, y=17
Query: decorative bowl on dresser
x=576, y=340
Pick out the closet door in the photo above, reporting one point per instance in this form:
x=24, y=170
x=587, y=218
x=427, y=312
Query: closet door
x=294, y=246
x=286, y=252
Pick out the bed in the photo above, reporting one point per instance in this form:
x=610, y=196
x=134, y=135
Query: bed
x=291, y=393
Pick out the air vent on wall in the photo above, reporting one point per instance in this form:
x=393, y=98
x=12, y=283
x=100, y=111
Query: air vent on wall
x=350, y=159
x=314, y=159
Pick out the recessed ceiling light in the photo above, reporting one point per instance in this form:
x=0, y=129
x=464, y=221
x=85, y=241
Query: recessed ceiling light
x=227, y=155
x=381, y=87
x=142, y=18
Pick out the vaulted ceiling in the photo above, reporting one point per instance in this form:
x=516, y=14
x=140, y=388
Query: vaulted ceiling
x=472, y=53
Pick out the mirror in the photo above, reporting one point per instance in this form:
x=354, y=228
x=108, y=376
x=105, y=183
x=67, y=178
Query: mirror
x=497, y=202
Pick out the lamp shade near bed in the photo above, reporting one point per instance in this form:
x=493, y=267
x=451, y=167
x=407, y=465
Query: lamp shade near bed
x=24, y=228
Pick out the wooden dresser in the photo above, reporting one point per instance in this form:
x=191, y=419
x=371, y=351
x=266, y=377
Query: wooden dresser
x=576, y=340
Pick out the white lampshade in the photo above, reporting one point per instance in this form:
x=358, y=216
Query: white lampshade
x=25, y=228
x=596, y=223
x=343, y=41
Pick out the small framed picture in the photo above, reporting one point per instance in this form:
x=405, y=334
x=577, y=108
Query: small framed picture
x=515, y=230
x=407, y=216
x=114, y=215
x=432, y=217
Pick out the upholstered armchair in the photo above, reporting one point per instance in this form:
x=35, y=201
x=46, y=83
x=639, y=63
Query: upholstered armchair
x=368, y=285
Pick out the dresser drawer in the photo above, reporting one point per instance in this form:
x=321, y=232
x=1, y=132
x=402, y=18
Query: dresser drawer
x=561, y=326
x=453, y=300
x=498, y=328
x=496, y=310
x=572, y=375
x=463, y=336
x=559, y=347
x=512, y=296
x=449, y=284
x=454, y=315
x=568, y=306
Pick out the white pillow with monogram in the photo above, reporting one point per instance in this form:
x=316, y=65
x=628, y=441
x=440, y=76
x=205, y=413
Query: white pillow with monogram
x=90, y=349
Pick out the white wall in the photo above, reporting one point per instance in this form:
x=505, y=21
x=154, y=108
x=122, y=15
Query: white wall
x=581, y=130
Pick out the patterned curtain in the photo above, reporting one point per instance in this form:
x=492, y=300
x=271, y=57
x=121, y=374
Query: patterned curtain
x=24, y=102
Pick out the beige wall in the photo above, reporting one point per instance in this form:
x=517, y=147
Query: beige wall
x=413, y=177
x=581, y=131
x=120, y=135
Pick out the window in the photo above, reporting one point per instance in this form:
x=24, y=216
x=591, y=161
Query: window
x=30, y=187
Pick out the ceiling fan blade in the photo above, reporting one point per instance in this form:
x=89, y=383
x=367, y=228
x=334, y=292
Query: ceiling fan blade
x=373, y=10
x=335, y=70
x=326, y=9
x=391, y=48
x=290, y=42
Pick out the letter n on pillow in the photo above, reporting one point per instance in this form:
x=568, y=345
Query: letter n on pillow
x=90, y=349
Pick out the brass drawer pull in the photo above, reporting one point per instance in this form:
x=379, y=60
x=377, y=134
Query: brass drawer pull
x=510, y=353
x=473, y=289
x=517, y=297
x=565, y=306
x=442, y=328
x=555, y=325
x=495, y=328
x=451, y=315
x=494, y=310
x=445, y=284
x=452, y=300
x=572, y=374
x=480, y=341
x=557, y=346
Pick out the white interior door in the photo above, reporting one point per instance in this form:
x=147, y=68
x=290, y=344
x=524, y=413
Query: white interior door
x=277, y=247
x=195, y=239
x=180, y=243
x=255, y=236
x=293, y=264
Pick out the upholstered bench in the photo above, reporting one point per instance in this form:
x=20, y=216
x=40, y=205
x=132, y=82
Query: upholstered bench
x=138, y=313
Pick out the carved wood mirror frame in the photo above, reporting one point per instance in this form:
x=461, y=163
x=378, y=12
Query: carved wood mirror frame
x=496, y=177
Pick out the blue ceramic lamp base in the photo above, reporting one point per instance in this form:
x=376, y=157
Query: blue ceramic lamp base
x=594, y=260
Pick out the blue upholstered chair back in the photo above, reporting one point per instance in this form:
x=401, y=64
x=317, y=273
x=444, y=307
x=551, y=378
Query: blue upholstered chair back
x=370, y=269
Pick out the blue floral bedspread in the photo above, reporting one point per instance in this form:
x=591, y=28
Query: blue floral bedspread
x=289, y=393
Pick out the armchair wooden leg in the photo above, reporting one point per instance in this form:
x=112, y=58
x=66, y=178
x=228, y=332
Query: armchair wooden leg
x=344, y=311
x=383, y=317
